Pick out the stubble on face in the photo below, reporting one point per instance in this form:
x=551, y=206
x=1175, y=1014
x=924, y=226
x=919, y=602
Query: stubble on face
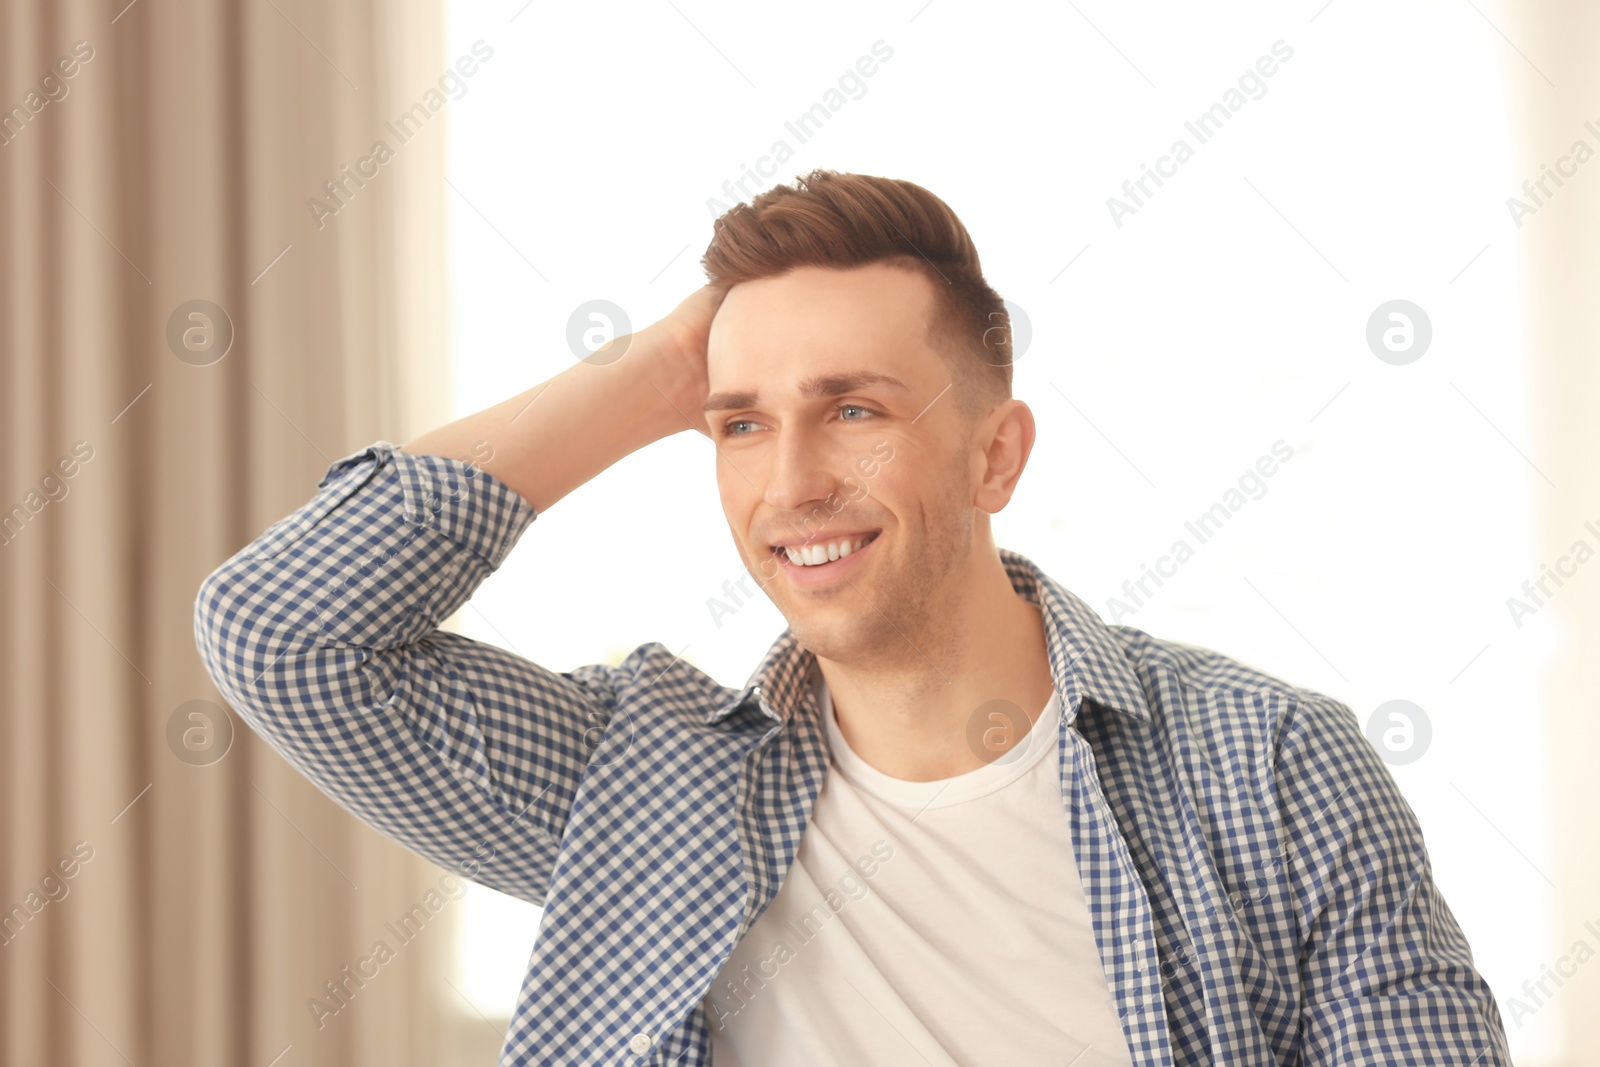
x=901, y=620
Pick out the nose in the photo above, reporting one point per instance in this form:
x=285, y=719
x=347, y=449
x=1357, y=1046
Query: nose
x=799, y=474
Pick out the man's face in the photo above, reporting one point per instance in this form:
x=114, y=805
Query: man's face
x=836, y=423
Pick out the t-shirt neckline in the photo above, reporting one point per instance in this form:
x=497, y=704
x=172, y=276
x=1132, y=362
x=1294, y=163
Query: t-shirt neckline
x=1019, y=760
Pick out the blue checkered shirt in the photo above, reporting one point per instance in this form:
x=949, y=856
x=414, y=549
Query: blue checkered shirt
x=1259, y=888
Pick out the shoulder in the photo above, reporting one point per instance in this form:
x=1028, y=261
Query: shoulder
x=1219, y=700
x=655, y=681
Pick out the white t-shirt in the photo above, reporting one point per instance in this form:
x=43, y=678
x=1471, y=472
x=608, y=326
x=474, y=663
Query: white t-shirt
x=925, y=923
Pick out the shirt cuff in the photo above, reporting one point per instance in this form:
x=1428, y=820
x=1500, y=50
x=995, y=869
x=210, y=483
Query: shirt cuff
x=462, y=502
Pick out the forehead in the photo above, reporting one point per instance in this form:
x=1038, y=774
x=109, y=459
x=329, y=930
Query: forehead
x=814, y=319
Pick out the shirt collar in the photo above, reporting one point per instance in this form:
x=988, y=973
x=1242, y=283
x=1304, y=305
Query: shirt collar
x=1086, y=659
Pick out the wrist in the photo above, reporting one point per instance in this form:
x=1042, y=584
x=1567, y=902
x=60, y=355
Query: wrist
x=655, y=370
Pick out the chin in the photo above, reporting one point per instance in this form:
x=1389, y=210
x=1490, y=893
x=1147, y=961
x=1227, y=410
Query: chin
x=824, y=633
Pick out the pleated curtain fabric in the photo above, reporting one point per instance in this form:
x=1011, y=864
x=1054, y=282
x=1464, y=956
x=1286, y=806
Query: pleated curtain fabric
x=171, y=899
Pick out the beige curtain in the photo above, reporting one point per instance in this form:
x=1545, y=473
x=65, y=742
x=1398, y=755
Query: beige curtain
x=1559, y=86
x=207, y=902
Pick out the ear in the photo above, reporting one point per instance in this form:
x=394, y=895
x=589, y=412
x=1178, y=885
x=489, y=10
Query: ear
x=1001, y=444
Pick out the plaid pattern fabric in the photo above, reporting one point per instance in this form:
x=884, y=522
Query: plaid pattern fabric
x=1259, y=887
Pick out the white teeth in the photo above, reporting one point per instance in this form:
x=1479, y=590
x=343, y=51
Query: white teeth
x=815, y=555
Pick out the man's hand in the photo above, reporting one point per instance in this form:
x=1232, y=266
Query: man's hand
x=676, y=345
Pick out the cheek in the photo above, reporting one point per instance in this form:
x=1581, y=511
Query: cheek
x=931, y=495
x=738, y=497
x=727, y=481
x=913, y=481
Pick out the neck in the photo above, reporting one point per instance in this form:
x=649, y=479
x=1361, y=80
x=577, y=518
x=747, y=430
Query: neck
x=912, y=718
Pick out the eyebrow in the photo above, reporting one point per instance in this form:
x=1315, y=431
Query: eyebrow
x=810, y=389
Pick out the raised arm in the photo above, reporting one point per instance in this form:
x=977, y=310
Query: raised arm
x=323, y=635
x=546, y=442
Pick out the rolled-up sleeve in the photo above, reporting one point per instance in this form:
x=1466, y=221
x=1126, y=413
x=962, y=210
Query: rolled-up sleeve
x=1387, y=973
x=322, y=634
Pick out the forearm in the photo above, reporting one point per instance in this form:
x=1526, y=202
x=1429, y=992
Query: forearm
x=548, y=440
x=331, y=574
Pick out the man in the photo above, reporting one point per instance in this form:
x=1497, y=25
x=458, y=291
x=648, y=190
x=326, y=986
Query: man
x=954, y=818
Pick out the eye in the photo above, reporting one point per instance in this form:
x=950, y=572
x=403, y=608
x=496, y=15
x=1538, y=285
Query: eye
x=732, y=428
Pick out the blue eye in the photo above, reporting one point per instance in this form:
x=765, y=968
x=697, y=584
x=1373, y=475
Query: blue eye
x=731, y=427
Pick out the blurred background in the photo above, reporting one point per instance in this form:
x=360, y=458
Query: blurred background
x=241, y=240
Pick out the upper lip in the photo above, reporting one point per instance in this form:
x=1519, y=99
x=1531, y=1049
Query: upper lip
x=844, y=535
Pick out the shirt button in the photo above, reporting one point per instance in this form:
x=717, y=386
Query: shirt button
x=640, y=1043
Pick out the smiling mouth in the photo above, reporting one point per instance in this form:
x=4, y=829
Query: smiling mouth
x=819, y=553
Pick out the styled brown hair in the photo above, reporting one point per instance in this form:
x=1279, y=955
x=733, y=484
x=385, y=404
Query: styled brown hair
x=830, y=219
